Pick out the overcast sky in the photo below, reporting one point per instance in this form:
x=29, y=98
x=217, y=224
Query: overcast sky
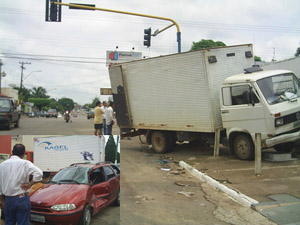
x=273, y=26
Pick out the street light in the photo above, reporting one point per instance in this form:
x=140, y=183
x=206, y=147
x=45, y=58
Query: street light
x=35, y=71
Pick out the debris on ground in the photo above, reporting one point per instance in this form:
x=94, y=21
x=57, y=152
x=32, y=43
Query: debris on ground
x=143, y=198
x=180, y=184
x=166, y=169
x=186, y=193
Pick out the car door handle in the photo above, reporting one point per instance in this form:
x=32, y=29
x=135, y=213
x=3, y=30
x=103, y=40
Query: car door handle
x=224, y=111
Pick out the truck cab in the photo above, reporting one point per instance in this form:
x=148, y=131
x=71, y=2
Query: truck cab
x=266, y=102
x=8, y=113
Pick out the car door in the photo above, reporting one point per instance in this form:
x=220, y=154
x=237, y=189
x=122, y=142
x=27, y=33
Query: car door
x=100, y=189
x=113, y=182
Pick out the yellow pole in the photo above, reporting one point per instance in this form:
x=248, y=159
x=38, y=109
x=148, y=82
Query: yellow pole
x=130, y=13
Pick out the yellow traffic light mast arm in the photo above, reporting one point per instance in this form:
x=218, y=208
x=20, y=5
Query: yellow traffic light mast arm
x=130, y=13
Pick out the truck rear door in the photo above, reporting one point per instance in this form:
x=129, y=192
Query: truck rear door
x=119, y=96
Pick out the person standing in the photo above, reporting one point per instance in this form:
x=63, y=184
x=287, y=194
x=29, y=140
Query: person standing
x=98, y=119
x=104, y=107
x=109, y=118
x=15, y=185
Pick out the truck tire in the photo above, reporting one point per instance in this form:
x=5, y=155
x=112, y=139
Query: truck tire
x=8, y=126
x=86, y=216
x=243, y=147
x=159, y=142
x=17, y=124
x=285, y=147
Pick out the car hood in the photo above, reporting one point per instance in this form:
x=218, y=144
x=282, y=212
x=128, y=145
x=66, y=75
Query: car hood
x=52, y=194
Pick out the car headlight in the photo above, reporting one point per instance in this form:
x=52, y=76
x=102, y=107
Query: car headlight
x=63, y=207
x=279, y=122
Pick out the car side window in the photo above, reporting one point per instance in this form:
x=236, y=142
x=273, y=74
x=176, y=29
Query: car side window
x=109, y=172
x=97, y=176
x=116, y=169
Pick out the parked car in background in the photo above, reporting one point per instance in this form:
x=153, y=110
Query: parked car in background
x=41, y=114
x=8, y=113
x=52, y=113
x=90, y=114
x=76, y=193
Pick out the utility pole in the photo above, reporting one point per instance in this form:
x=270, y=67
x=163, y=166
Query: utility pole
x=1, y=64
x=21, y=83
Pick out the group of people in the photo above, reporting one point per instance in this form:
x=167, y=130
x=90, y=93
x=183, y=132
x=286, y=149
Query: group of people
x=15, y=185
x=103, y=118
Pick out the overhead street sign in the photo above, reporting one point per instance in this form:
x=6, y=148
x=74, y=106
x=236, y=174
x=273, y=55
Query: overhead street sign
x=105, y=91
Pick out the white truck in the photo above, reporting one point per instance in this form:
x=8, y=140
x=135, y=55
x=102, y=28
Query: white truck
x=52, y=154
x=192, y=95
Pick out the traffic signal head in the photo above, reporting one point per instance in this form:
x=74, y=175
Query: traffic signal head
x=147, y=37
x=53, y=12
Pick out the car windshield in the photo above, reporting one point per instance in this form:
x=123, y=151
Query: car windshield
x=76, y=175
x=280, y=88
x=4, y=104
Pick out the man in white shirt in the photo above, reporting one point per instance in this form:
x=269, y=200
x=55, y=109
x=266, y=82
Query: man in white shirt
x=104, y=127
x=15, y=185
x=109, y=113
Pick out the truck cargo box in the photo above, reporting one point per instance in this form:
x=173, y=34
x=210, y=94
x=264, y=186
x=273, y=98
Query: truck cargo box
x=54, y=153
x=178, y=92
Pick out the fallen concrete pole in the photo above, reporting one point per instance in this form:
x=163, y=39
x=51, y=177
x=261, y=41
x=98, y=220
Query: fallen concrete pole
x=239, y=197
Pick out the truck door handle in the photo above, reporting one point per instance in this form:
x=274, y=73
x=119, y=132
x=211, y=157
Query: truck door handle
x=224, y=111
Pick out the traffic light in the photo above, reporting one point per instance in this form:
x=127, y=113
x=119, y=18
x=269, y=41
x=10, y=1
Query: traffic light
x=147, y=37
x=53, y=12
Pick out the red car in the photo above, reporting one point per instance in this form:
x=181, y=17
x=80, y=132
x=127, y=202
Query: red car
x=76, y=193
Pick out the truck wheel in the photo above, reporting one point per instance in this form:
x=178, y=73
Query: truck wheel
x=243, y=147
x=159, y=142
x=8, y=126
x=17, y=124
x=285, y=147
x=86, y=216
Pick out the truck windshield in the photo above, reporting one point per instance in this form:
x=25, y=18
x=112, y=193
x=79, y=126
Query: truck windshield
x=77, y=175
x=4, y=104
x=280, y=88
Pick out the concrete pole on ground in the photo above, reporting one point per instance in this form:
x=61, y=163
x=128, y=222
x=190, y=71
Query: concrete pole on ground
x=217, y=142
x=258, y=154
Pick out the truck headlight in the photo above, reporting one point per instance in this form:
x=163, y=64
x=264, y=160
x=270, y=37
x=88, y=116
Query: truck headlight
x=279, y=122
x=63, y=207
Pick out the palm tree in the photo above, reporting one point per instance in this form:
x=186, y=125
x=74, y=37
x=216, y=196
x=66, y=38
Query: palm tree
x=39, y=92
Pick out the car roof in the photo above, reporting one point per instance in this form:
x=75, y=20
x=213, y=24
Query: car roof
x=90, y=165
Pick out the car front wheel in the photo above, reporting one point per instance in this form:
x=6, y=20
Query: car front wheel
x=86, y=216
x=117, y=201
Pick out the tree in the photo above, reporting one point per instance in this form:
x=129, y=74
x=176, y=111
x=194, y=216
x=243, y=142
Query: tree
x=39, y=92
x=96, y=99
x=40, y=102
x=111, y=149
x=66, y=103
x=297, y=52
x=203, y=44
x=257, y=58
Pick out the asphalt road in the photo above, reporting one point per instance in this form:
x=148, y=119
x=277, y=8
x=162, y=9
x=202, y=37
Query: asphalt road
x=53, y=126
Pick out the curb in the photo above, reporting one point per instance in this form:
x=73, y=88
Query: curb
x=239, y=197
